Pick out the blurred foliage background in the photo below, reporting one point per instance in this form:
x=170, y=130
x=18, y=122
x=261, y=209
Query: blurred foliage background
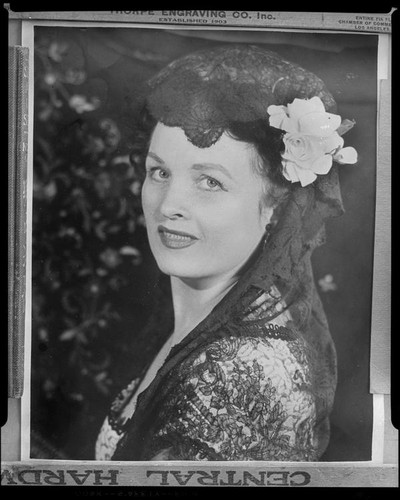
x=93, y=276
x=88, y=245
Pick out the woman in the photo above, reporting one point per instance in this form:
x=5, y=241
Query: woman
x=239, y=180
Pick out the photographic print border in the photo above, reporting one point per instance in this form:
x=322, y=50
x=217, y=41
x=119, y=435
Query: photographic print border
x=366, y=474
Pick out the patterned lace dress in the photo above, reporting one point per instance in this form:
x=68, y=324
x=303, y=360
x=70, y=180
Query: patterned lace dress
x=255, y=389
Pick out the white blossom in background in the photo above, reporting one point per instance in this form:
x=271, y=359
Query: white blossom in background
x=81, y=105
x=327, y=283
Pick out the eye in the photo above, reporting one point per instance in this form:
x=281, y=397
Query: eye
x=157, y=174
x=211, y=184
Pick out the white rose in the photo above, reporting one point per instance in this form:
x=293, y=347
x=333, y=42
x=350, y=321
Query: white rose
x=311, y=141
x=305, y=157
x=307, y=116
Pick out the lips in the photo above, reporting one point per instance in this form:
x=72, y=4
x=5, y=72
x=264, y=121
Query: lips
x=175, y=239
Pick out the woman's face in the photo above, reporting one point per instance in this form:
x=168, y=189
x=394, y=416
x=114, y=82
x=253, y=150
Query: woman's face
x=202, y=206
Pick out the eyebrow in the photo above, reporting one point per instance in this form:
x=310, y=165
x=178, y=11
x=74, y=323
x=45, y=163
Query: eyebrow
x=196, y=166
x=212, y=166
x=155, y=157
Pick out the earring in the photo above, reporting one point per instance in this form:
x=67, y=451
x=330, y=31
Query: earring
x=268, y=230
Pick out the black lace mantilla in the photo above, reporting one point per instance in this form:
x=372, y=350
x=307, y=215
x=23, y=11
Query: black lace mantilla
x=203, y=91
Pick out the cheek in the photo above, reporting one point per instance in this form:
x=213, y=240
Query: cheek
x=149, y=200
x=234, y=220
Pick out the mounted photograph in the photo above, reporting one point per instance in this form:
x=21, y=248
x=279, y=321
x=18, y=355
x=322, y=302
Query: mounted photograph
x=203, y=221
x=199, y=287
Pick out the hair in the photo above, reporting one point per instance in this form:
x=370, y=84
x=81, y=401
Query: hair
x=266, y=140
x=268, y=145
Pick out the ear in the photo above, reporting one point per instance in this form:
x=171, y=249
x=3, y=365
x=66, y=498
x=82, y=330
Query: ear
x=266, y=214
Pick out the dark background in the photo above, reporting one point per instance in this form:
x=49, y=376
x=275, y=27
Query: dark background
x=93, y=274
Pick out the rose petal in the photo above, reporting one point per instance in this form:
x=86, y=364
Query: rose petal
x=319, y=124
x=317, y=145
x=290, y=125
x=277, y=115
x=277, y=120
x=282, y=122
x=346, y=155
x=302, y=149
x=300, y=107
x=276, y=110
x=332, y=142
x=290, y=171
x=317, y=104
x=306, y=177
x=322, y=165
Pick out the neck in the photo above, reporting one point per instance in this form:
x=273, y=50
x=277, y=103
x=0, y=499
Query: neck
x=194, y=300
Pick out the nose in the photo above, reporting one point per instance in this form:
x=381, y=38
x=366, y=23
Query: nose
x=175, y=201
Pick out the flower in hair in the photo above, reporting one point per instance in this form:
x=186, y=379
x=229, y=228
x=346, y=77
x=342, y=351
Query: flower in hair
x=312, y=140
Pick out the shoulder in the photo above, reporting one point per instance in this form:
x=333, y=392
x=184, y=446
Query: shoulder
x=252, y=397
x=271, y=359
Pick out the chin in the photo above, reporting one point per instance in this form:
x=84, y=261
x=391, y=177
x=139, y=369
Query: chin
x=179, y=269
x=180, y=263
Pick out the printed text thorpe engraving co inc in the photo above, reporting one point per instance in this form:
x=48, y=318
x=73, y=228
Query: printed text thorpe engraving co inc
x=198, y=16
